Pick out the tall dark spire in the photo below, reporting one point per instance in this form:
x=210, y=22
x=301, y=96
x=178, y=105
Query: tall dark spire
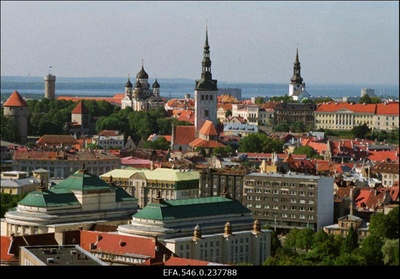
x=296, y=70
x=206, y=82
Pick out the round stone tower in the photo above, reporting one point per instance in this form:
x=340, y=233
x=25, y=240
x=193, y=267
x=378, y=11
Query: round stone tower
x=50, y=86
x=17, y=108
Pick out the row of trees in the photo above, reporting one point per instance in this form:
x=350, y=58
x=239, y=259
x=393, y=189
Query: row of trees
x=308, y=248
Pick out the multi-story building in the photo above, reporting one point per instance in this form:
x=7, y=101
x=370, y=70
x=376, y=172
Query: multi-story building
x=109, y=139
x=388, y=173
x=217, y=229
x=16, y=108
x=18, y=182
x=146, y=185
x=290, y=200
x=290, y=113
x=213, y=182
x=345, y=116
x=80, y=201
x=62, y=164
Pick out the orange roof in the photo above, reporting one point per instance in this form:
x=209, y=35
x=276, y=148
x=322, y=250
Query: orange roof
x=15, y=100
x=116, y=99
x=184, y=134
x=389, y=108
x=333, y=107
x=208, y=128
x=5, y=256
x=80, y=109
x=205, y=143
x=124, y=244
x=56, y=139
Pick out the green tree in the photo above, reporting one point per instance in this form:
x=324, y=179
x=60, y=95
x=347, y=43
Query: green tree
x=347, y=259
x=228, y=113
x=281, y=127
x=307, y=150
x=258, y=142
x=351, y=241
x=304, y=239
x=160, y=143
x=259, y=100
x=370, y=249
x=390, y=251
x=290, y=239
x=385, y=225
x=361, y=130
x=366, y=99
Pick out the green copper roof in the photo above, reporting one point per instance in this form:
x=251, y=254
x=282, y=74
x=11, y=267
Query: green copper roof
x=48, y=198
x=191, y=208
x=82, y=181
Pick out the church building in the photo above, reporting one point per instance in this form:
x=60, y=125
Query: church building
x=297, y=88
x=142, y=97
x=204, y=133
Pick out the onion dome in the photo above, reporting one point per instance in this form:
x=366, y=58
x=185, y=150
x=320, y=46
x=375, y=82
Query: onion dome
x=142, y=74
x=138, y=84
x=156, y=84
x=128, y=83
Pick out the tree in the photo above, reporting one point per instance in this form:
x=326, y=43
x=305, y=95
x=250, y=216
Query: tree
x=228, y=113
x=258, y=142
x=361, y=130
x=387, y=226
x=307, y=150
x=304, y=239
x=370, y=249
x=259, y=100
x=351, y=241
x=390, y=251
x=281, y=127
x=366, y=99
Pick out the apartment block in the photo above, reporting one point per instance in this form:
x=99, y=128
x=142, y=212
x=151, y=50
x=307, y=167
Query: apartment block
x=289, y=201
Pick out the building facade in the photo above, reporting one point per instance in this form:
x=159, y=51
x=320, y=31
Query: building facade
x=219, y=229
x=17, y=109
x=62, y=164
x=80, y=201
x=287, y=200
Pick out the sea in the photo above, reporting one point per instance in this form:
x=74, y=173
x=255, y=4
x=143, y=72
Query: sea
x=31, y=87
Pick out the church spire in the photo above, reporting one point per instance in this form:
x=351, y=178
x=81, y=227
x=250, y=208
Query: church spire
x=296, y=70
x=206, y=82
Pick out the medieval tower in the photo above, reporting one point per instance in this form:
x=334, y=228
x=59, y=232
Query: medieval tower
x=206, y=91
x=50, y=86
x=17, y=108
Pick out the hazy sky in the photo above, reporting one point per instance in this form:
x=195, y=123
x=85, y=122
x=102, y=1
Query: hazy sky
x=338, y=42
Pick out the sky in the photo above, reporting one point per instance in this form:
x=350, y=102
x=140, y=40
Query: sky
x=250, y=41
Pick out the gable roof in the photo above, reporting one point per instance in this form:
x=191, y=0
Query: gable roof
x=80, y=108
x=191, y=208
x=208, y=128
x=143, y=247
x=15, y=100
x=184, y=134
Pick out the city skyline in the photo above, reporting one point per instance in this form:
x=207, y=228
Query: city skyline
x=338, y=42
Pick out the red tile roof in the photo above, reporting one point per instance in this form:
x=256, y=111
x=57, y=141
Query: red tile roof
x=5, y=255
x=80, y=109
x=15, y=100
x=184, y=134
x=332, y=107
x=389, y=108
x=206, y=143
x=118, y=244
x=208, y=128
x=56, y=139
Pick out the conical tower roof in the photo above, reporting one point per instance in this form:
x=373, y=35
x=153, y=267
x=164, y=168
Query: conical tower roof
x=15, y=100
